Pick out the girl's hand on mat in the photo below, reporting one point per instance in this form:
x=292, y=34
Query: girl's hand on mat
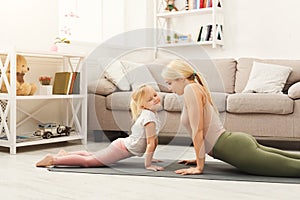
x=155, y=168
x=188, y=162
x=191, y=170
x=156, y=160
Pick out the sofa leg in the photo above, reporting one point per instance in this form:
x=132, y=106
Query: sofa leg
x=106, y=136
x=98, y=135
x=113, y=135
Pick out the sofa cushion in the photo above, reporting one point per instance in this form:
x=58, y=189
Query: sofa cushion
x=219, y=99
x=259, y=103
x=156, y=68
x=267, y=78
x=121, y=100
x=227, y=70
x=218, y=73
x=174, y=103
x=138, y=74
x=102, y=86
x=118, y=101
x=114, y=73
x=244, y=66
x=294, y=91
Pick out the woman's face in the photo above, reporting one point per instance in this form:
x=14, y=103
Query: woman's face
x=176, y=86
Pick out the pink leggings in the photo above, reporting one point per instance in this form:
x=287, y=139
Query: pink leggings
x=114, y=152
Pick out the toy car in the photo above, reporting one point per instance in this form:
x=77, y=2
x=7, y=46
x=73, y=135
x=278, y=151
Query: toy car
x=49, y=130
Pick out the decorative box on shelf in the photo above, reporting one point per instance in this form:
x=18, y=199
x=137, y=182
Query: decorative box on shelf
x=45, y=89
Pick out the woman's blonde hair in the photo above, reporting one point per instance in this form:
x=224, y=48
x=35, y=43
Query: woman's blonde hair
x=137, y=99
x=180, y=69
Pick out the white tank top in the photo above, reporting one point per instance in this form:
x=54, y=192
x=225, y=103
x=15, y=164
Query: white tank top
x=213, y=127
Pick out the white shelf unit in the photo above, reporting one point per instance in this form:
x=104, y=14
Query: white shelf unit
x=73, y=108
x=166, y=26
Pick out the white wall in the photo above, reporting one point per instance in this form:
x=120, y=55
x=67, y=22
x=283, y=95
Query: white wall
x=256, y=28
x=85, y=28
x=266, y=29
x=30, y=24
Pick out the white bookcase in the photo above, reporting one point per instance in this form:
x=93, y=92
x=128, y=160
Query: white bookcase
x=189, y=22
x=22, y=114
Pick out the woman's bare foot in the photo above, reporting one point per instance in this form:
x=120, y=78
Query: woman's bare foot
x=62, y=153
x=46, y=161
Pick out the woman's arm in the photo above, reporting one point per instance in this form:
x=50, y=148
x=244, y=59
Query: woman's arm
x=194, y=108
x=185, y=122
x=151, y=146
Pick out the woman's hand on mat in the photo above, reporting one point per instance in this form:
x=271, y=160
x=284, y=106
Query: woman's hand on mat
x=155, y=168
x=191, y=170
x=188, y=162
x=156, y=160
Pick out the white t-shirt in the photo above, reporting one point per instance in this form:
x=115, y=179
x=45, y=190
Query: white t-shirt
x=136, y=143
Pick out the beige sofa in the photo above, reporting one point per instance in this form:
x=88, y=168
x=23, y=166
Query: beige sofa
x=265, y=116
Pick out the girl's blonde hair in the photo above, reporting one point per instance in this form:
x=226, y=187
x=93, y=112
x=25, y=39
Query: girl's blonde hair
x=180, y=69
x=137, y=99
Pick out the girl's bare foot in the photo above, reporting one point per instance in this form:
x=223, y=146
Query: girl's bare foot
x=46, y=161
x=62, y=153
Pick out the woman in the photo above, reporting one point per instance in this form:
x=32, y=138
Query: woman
x=200, y=117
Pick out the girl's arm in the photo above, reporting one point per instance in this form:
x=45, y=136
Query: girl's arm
x=151, y=146
x=194, y=107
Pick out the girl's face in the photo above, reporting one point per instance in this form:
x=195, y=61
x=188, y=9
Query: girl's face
x=176, y=86
x=152, y=100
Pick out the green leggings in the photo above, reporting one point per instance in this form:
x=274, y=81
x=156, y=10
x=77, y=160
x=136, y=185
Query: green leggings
x=242, y=151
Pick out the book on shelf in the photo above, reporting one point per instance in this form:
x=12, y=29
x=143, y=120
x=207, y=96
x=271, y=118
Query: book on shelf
x=61, y=83
x=75, y=84
x=192, y=4
x=219, y=30
x=201, y=4
x=205, y=33
x=186, y=4
x=66, y=83
x=198, y=4
x=199, y=35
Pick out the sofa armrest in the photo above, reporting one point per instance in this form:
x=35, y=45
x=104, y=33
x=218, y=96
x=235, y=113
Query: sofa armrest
x=101, y=86
x=294, y=91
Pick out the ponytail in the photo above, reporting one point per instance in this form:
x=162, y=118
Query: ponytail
x=202, y=82
x=181, y=69
x=137, y=98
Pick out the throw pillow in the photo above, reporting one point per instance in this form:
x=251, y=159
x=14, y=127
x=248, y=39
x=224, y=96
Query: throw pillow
x=267, y=78
x=294, y=91
x=138, y=74
x=102, y=87
x=115, y=73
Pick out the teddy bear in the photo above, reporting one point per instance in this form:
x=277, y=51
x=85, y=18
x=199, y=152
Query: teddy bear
x=171, y=6
x=22, y=88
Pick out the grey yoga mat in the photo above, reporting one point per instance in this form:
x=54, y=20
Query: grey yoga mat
x=212, y=171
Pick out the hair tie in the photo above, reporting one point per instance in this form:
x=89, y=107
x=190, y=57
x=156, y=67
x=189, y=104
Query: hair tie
x=195, y=74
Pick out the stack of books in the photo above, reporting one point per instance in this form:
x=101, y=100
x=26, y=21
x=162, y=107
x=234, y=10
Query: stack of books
x=66, y=83
x=205, y=33
x=198, y=4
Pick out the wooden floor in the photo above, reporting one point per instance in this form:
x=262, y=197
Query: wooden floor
x=20, y=179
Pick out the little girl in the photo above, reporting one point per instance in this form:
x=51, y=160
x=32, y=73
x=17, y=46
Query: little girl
x=144, y=105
